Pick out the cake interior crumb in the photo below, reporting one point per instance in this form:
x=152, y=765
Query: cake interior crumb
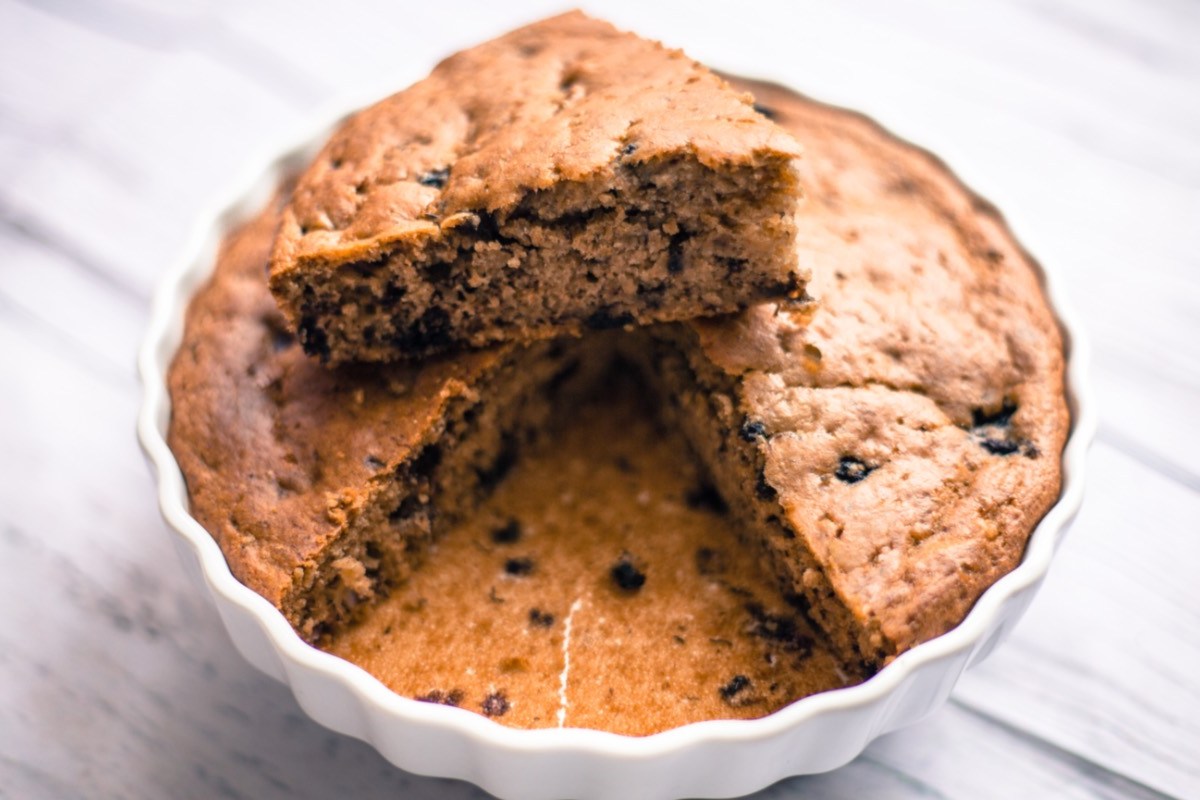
x=462, y=620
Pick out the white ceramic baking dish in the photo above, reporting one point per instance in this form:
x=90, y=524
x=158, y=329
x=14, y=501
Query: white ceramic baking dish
x=706, y=759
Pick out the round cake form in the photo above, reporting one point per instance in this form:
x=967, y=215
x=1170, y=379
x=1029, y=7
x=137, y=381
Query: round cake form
x=815, y=734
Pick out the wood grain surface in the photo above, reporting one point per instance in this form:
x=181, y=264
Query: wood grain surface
x=120, y=120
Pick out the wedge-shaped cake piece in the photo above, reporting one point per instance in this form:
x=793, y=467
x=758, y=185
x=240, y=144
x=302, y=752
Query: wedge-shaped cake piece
x=563, y=178
x=890, y=451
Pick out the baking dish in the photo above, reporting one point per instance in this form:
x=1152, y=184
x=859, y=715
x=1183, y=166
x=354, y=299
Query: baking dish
x=815, y=734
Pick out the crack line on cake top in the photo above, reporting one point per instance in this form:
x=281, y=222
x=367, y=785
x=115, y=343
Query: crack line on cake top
x=566, y=646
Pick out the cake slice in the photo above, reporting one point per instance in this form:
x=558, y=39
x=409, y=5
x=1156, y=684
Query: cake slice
x=889, y=449
x=325, y=488
x=565, y=177
x=885, y=453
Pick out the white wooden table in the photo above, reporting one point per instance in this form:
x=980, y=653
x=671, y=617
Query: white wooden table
x=118, y=120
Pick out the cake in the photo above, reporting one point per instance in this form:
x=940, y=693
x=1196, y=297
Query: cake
x=324, y=487
x=875, y=459
x=566, y=177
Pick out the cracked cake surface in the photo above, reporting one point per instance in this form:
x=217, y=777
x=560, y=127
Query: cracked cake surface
x=591, y=180
x=883, y=453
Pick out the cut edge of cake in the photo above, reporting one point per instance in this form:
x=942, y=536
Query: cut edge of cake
x=636, y=187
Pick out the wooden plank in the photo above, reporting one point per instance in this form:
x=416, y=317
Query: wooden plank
x=106, y=320
x=1067, y=66
x=1104, y=664
x=142, y=140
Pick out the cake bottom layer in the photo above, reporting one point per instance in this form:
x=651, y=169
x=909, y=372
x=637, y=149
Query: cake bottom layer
x=601, y=586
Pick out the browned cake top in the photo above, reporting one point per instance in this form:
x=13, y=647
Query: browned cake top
x=276, y=448
x=914, y=423
x=556, y=101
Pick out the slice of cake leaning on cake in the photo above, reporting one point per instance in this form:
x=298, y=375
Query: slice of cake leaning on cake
x=565, y=177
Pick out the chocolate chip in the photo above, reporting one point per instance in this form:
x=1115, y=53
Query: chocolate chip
x=675, y=252
x=852, y=470
x=980, y=418
x=435, y=177
x=791, y=288
x=312, y=338
x=604, y=319
x=798, y=602
x=763, y=489
x=487, y=226
x=732, y=265
x=372, y=462
x=629, y=149
x=766, y=111
x=519, y=566
x=709, y=562
x=451, y=698
x=427, y=461
x=625, y=575
x=393, y=293
x=438, y=273
x=495, y=704
x=430, y=332
x=737, y=683
x=506, y=458
x=564, y=374
x=508, y=533
x=366, y=269
x=779, y=629
x=705, y=497
x=407, y=507
x=540, y=619
x=993, y=432
x=999, y=447
x=753, y=431
x=281, y=337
